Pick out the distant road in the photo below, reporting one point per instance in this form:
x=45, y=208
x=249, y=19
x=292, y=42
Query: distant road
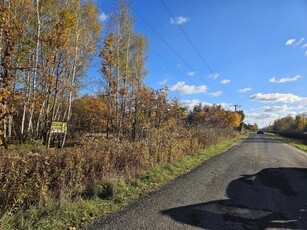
x=258, y=184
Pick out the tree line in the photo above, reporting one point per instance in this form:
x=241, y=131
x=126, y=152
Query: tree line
x=46, y=47
x=289, y=124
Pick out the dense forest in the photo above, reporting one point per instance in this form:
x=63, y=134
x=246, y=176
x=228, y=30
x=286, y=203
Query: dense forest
x=127, y=127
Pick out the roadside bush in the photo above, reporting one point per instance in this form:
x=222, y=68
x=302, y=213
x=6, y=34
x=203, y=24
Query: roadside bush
x=40, y=176
x=101, y=189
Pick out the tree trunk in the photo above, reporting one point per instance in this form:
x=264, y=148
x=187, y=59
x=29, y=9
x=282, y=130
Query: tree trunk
x=38, y=31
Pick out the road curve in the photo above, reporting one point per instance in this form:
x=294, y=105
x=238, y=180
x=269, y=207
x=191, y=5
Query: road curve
x=259, y=183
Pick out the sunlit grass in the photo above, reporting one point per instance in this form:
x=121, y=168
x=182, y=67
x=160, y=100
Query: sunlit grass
x=297, y=143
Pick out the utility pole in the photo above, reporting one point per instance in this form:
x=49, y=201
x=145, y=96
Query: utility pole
x=303, y=115
x=236, y=106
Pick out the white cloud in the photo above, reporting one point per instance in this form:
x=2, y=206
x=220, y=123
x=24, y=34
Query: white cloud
x=102, y=17
x=182, y=88
x=214, y=75
x=191, y=103
x=285, y=79
x=225, y=81
x=290, y=42
x=306, y=53
x=179, y=20
x=278, y=97
x=215, y=94
x=191, y=74
x=300, y=41
x=244, y=90
x=282, y=108
x=261, y=119
x=163, y=82
x=304, y=46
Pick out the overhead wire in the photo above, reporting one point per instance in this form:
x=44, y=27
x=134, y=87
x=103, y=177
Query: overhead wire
x=172, y=49
x=164, y=41
x=170, y=64
x=193, y=46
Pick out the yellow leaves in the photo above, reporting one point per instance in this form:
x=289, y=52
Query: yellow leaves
x=1, y=134
x=68, y=18
x=4, y=94
x=235, y=119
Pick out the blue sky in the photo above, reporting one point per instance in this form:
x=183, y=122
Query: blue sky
x=256, y=51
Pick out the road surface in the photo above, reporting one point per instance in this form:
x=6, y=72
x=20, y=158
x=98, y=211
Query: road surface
x=259, y=183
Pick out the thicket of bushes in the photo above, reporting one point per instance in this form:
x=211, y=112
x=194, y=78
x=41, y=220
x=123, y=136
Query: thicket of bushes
x=294, y=135
x=290, y=126
x=40, y=176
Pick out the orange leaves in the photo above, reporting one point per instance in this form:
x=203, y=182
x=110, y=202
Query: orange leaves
x=214, y=116
x=89, y=113
x=107, y=55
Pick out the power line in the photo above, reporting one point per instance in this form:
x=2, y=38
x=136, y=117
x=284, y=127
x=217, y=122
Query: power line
x=171, y=48
x=194, y=47
x=170, y=64
x=187, y=37
x=164, y=41
x=236, y=107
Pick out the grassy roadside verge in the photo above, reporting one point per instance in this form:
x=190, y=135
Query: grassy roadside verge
x=297, y=143
x=78, y=213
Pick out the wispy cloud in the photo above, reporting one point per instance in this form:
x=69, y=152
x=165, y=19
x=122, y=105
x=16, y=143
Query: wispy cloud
x=214, y=75
x=179, y=20
x=244, y=90
x=280, y=109
x=163, y=82
x=278, y=97
x=192, y=73
x=102, y=17
x=225, y=81
x=285, y=79
x=290, y=42
x=182, y=88
x=215, y=94
x=300, y=41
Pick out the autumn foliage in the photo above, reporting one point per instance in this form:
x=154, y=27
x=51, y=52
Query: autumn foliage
x=120, y=131
x=214, y=116
x=289, y=124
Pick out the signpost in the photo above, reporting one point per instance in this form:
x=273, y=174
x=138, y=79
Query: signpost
x=58, y=127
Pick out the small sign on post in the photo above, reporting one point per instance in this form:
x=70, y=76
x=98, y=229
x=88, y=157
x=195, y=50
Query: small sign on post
x=58, y=127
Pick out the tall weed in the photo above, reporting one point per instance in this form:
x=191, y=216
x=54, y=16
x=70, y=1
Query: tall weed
x=40, y=177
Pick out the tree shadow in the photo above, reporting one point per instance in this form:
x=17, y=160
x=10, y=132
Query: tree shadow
x=271, y=198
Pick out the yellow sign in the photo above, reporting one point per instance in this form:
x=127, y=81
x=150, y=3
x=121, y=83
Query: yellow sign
x=58, y=127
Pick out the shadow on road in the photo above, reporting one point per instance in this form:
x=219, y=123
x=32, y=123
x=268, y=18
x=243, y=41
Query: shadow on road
x=271, y=198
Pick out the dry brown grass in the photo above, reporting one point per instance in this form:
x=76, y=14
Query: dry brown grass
x=39, y=176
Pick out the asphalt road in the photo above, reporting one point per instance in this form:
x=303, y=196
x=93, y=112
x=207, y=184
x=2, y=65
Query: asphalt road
x=259, y=183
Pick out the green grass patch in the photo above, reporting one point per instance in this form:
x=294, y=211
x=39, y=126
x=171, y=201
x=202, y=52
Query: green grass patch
x=79, y=212
x=297, y=143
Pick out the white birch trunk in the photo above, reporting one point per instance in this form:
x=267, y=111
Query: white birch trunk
x=30, y=127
